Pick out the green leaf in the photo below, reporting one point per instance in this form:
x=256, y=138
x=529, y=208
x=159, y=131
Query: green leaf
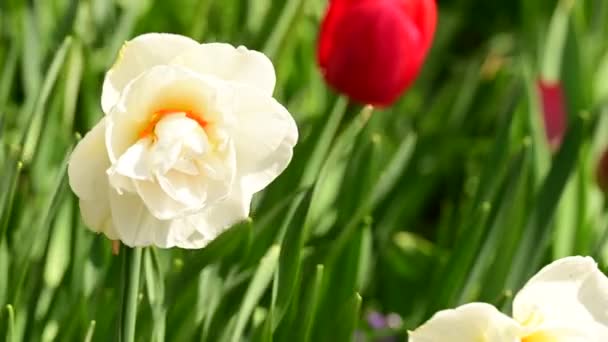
x=131, y=272
x=6, y=80
x=310, y=308
x=258, y=285
x=537, y=230
x=36, y=119
x=57, y=260
x=10, y=324
x=556, y=41
x=347, y=319
x=10, y=188
x=225, y=244
x=288, y=271
x=288, y=22
x=322, y=146
x=154, y=283
x=90, y=332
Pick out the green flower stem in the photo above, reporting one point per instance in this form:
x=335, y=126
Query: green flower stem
x=131, y=269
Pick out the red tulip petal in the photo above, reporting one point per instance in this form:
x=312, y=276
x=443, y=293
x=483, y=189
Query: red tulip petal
x=372, y=50
x=554, y=112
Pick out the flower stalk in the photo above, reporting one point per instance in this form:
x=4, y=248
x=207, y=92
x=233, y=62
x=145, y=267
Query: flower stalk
x=131, y=269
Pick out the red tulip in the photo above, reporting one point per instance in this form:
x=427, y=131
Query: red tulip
x=554, y=112
x=372, y=50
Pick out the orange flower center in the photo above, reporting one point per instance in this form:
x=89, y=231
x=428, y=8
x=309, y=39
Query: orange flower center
x=158, y=115
x=539, y=337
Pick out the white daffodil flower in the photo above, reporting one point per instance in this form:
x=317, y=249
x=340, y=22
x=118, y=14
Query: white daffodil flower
x=567, y=301
x=191, y=131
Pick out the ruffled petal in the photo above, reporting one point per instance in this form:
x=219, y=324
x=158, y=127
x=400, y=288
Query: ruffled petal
x=138, y=55
x=134, y=224
x=134, y=162
x=265, y=135
x=467, y=323
x=228, y=63
x=158, y=203
x=213, y=220
x=88, y=164
x=570, y=293
x=88, y=179
x=160, y=88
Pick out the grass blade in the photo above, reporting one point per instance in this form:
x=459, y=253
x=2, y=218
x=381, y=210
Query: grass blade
x=131, y=272
x=258, y=285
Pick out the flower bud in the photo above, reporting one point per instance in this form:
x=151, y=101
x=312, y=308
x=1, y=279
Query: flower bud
x=554, y=112
x=372, y=50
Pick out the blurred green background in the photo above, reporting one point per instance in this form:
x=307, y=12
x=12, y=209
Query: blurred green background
x=450, y=196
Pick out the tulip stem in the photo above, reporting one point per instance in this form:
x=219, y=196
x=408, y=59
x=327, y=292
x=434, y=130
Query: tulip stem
x=131, y=269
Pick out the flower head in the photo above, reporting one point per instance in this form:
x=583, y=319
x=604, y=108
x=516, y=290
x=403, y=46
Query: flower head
x=554, y=112
x=566, y=301
x=373, y=50
x=191, y=131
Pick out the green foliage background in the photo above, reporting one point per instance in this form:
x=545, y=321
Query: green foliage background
x=450, y=196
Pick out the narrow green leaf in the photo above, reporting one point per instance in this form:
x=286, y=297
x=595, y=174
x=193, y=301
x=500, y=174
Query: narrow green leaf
x=258, y=285
x=502, y=224
x=348, y=318
x=10, y=189
x=6, y=80
x=392, y=173
x=90, y=332
x=31, y=53
x=10, y=324
x=36, y=119
x=537, y=231
x=310, y=309
x=459, y=262
x=75, y=69
x=154, y=282
x=292, y=11
x=57, y=260
x=5, y=262
x=210, y=293
x=556, y=41
x=131, y=272
x=288, y=271
x=223, y=245
x=33, y=241
x=322, y=147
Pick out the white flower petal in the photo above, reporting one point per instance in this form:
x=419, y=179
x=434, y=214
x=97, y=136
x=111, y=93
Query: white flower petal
x=138, y=227
x=88, y=164
x=160, y=88
x=226, y=62
x=159, y=204
x=164, y=155
x=264, y=136
x=569, y=293
x=187, y=166
x=97, y=216
x=178, y=128
x=134, y=162
x=88, y=180
x=134, y=223
x=215, y=219
x=137, y=56
x=186, y=189
x=468, y=323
